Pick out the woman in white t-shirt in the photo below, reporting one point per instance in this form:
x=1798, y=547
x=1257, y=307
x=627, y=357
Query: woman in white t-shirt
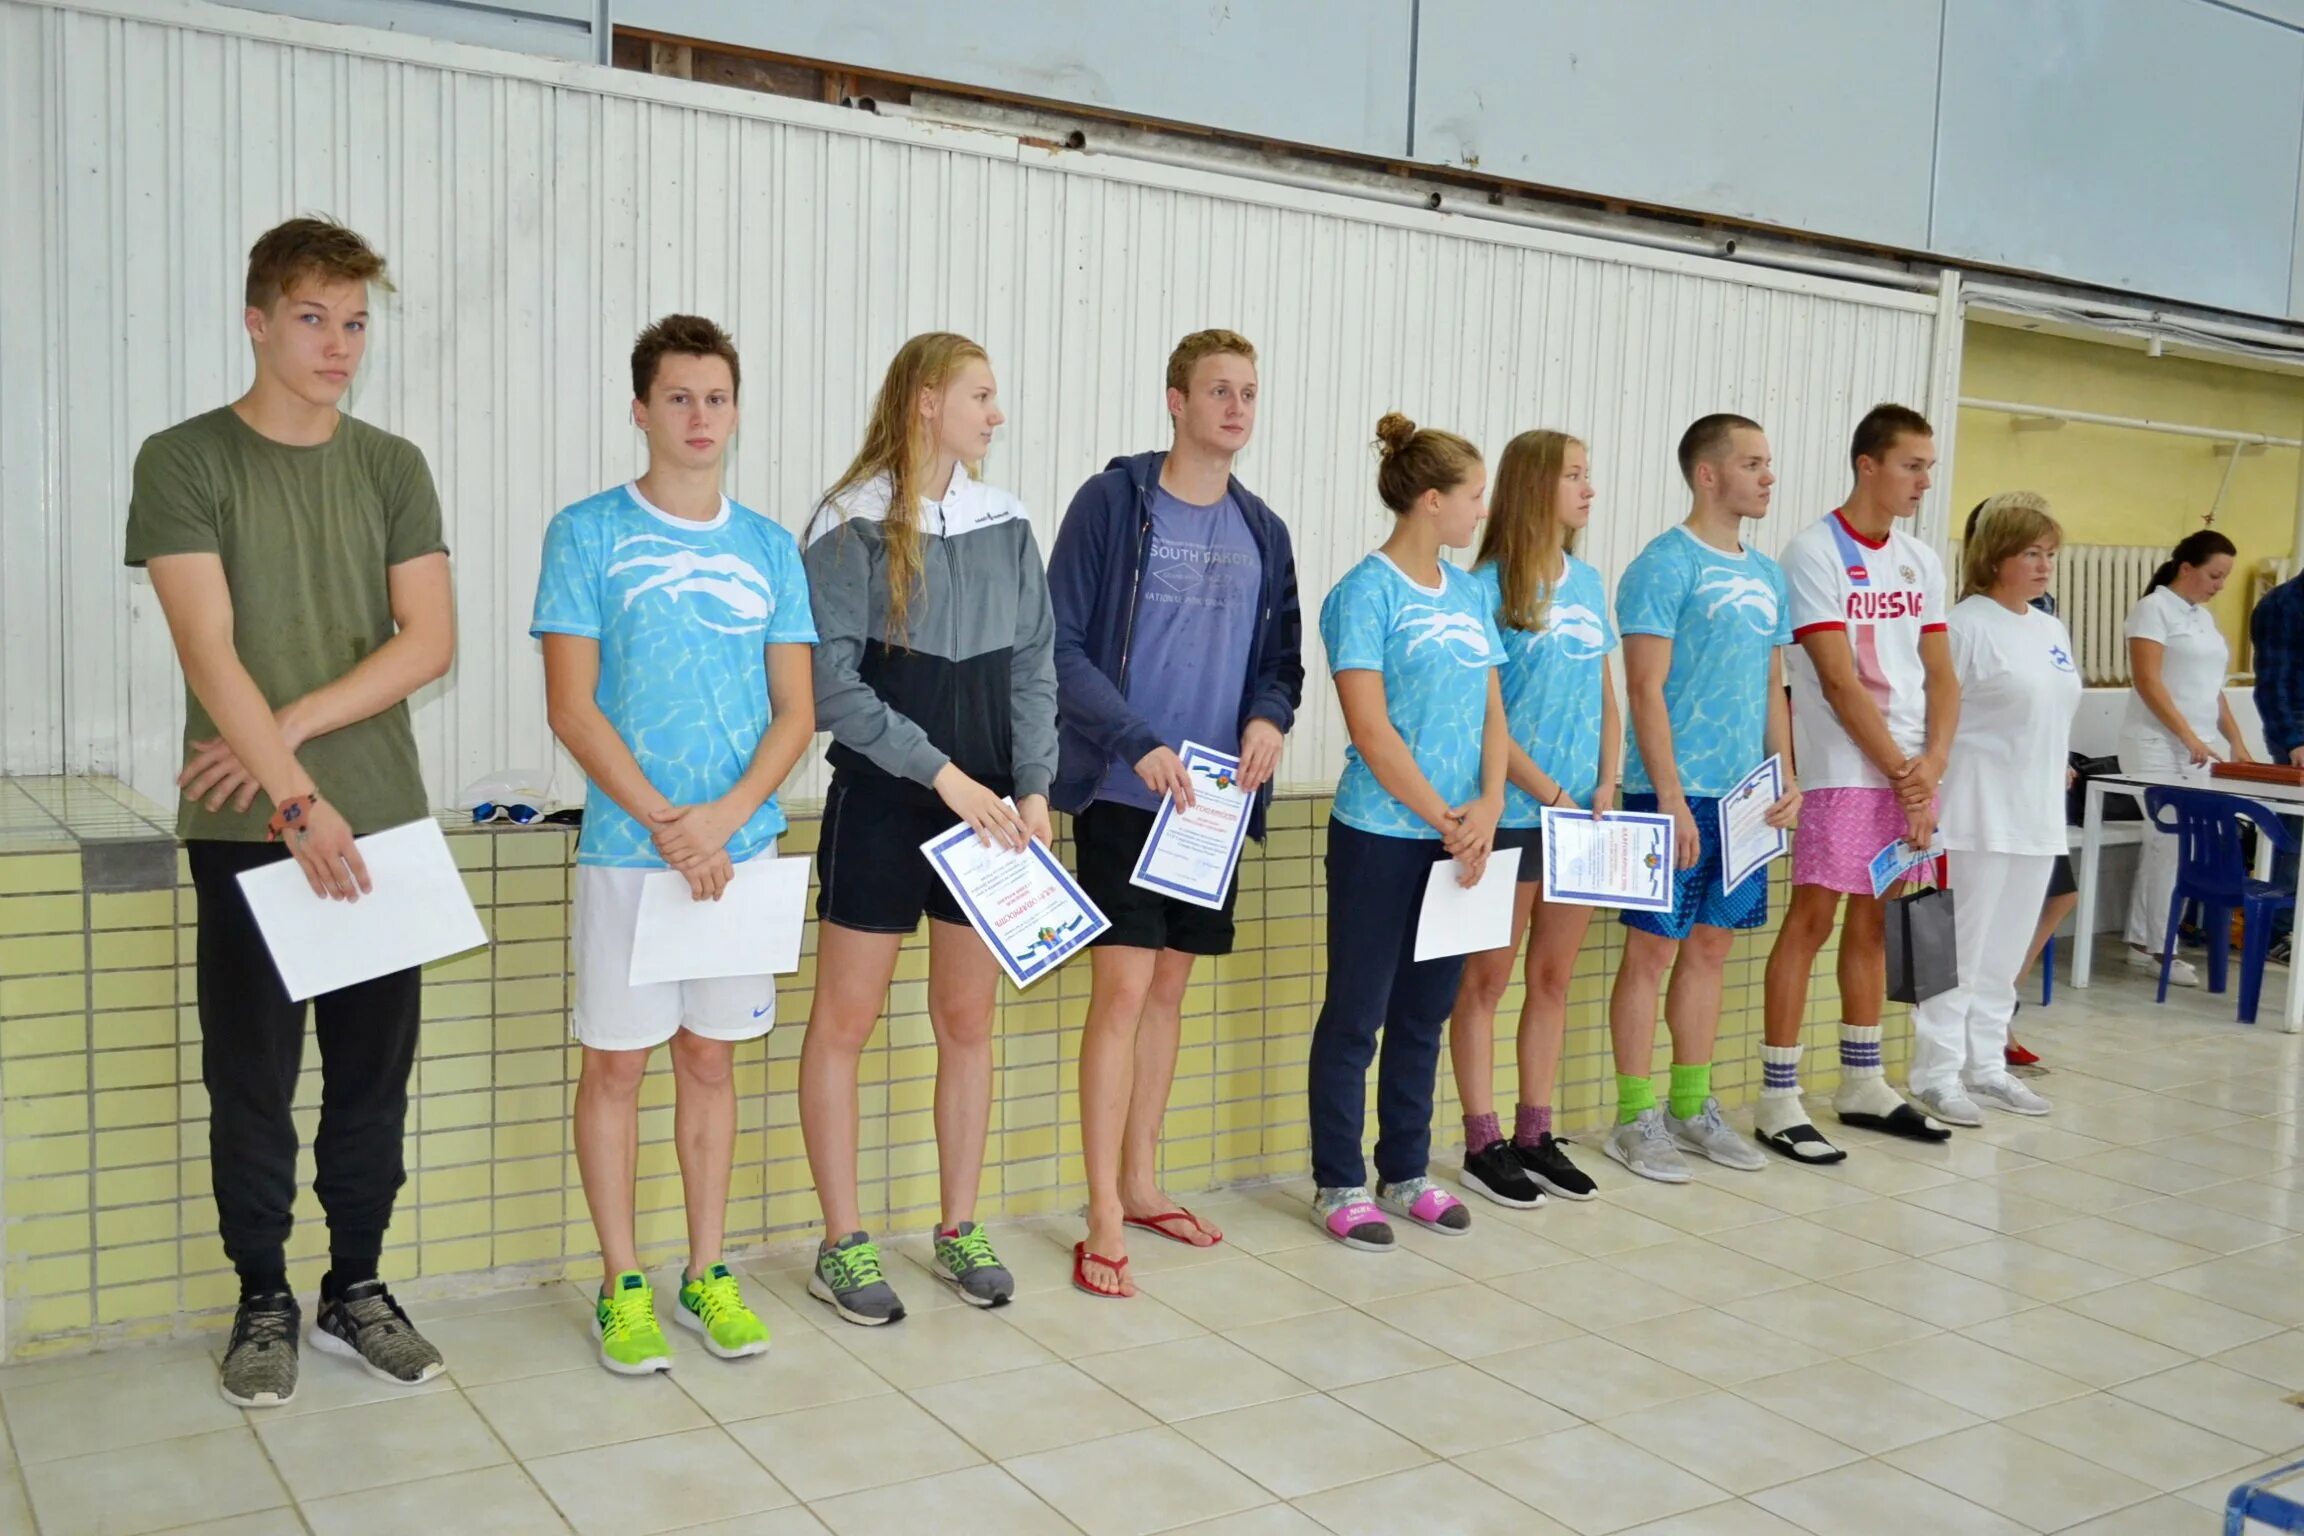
x=2178, y=659
x=2002, y=804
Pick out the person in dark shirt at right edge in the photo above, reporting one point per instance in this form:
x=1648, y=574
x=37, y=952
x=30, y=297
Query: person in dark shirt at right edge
x=2063, y=889
x=2276, y=636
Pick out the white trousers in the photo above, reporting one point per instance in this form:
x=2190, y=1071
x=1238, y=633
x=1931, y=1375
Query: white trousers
x=2156, y=868
x=1963, y=1033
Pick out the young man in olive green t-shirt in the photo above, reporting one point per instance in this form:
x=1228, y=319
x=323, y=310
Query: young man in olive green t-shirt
x=297, y=555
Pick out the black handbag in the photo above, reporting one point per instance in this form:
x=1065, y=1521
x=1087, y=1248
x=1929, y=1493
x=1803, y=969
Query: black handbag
x=1923, y=951
x=2116, y=807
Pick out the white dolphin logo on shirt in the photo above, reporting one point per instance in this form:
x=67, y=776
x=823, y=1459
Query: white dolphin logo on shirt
x=1748, y=595
x=683, y=572
x=1461, y=635
x=1577, y=629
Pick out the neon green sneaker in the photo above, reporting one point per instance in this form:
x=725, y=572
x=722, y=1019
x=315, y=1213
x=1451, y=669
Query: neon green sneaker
x=714, y=1307
x=631, y=1343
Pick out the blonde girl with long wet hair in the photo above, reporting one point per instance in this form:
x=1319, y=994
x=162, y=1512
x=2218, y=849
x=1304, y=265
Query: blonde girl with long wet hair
x=936, y=677
x=1567, y=750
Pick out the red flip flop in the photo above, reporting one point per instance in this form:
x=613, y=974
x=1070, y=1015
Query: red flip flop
x=1162, y=1223
x=1080, y=1280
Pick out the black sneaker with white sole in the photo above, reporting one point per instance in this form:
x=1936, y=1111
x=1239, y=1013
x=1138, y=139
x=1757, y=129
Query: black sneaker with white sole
x=259, y=1368
x=365, y=1324
x=1547, y=1163
x=1495, y=1172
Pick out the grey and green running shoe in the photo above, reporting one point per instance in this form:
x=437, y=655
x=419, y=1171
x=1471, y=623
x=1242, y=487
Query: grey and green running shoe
x=848, y=1277
x=367, y=1325
x=260, y=1362
x=712, y=1305
x=632, y=1342
x=964, y=1256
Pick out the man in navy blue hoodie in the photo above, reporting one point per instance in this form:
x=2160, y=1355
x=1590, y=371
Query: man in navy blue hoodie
x=1176, y=619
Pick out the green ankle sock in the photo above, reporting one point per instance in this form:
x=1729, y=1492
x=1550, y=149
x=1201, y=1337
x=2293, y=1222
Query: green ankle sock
x=1691, y=1086
x=1634, y=1095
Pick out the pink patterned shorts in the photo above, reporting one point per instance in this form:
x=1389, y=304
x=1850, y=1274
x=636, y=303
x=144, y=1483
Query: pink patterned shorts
x=1841, y=830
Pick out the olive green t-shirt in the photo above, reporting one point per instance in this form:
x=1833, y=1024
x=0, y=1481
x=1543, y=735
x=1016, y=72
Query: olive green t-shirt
x=307, y=536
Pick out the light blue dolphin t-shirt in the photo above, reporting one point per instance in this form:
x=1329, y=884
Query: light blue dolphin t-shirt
x=1434, y=646
x=1725, y=613
x=684, y=612
x=1552, y=683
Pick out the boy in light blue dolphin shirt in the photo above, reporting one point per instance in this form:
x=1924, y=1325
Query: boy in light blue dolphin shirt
x=678, y=643
x=1704, y=621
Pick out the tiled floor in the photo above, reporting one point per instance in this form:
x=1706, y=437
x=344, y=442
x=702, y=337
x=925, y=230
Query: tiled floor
x=2088, y=1324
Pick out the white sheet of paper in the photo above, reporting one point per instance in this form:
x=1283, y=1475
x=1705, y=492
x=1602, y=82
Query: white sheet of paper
x=1463, y=919
x=752, y=930
x=418, y=912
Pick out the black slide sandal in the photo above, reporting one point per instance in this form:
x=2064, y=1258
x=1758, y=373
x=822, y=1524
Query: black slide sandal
x=1803, y=1143
x=1904, y=1121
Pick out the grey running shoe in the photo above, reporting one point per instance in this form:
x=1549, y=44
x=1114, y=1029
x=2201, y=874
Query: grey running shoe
x=1644, y=1145
x=1949, y=1104
x=1706, y=1134
x=367, y=1325
x=848, y=1277
x=966, y=1259
x=260, y=1362
x=2006, y=1093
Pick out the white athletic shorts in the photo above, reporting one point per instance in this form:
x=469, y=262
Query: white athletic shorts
x=611, y=1014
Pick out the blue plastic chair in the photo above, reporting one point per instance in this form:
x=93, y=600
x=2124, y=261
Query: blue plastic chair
x=2212, y=869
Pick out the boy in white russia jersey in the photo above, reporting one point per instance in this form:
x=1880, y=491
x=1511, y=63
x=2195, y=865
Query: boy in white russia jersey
x=1874, y=704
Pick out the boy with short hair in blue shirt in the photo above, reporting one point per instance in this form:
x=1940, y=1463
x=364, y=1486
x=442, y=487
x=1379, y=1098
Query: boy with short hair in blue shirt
x=1703, y=620
x=677, y=658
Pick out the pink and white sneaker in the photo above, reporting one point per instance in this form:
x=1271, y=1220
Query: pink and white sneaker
x=1426, y=1204
x=1350, y=1217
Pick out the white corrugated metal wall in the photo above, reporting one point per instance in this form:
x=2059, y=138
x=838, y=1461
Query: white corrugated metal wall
x=537, y=215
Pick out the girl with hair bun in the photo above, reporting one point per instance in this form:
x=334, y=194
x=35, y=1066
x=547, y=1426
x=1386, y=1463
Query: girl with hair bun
x=2177, y=662
x=1413, y=644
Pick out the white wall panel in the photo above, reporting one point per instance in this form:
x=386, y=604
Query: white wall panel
x=1814, y=114
x=2144, y=144
x=537, y=215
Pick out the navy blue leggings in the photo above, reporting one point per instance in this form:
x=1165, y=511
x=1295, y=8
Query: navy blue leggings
x=1375, y=890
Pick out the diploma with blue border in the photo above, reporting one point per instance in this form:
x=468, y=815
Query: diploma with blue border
x=1193, y=854
x=1622, y=859
x=1746, y=840
x=1026, y=907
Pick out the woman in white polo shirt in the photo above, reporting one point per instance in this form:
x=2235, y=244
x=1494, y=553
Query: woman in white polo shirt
x=2178, y=659
x=2003, y=804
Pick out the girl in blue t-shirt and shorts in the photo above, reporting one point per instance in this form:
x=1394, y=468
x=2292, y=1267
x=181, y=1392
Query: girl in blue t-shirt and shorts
x=1413, y=644
x=1567, y=748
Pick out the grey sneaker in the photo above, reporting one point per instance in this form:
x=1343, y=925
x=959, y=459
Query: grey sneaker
x=966, y=1259
x=260, y=1362
x=2004, y=1092
x=848, y=1277
x=1645, y=1146
x=367, y=1325
x=1949, y=1104
x=1706, y=1134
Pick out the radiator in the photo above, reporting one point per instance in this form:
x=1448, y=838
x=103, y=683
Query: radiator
x=2096, y=585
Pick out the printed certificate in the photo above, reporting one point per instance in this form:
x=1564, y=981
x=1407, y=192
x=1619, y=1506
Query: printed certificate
x=1897, y=861
x=1192, y=855
x=1026, y=907
x=1622, y=859
x=1746, y=840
